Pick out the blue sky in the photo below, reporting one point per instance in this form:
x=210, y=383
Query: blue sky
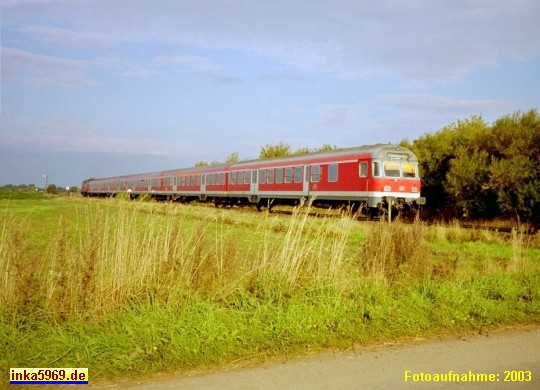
x=103, y=88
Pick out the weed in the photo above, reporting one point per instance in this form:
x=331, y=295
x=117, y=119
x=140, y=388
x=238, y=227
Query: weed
x=395, y=252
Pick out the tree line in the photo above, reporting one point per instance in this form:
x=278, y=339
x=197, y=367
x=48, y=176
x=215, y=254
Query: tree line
x=281, y=149
x=473, y=169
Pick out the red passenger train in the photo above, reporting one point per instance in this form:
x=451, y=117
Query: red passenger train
x=371, y=176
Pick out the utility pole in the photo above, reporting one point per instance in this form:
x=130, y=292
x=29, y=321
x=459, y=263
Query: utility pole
x=46, y=182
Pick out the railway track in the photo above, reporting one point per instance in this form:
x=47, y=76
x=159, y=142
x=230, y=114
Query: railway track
x=497, y=229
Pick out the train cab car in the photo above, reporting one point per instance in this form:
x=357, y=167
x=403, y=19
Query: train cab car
x=373, y=176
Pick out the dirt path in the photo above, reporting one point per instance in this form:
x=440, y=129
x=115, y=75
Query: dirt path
x=385, y=366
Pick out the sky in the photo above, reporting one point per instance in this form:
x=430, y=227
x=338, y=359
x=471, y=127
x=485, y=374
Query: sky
x=104, y=88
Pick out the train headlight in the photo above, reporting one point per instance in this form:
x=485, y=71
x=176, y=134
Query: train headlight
x=414, y=189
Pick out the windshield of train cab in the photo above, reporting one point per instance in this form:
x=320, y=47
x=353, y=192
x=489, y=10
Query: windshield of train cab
x=393, y=168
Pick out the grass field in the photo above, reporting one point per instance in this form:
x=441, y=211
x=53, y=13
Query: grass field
x=123, y=287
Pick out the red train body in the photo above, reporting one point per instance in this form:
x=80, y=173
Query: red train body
x=372, y=176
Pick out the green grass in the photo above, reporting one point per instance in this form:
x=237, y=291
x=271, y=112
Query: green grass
x=123, y=287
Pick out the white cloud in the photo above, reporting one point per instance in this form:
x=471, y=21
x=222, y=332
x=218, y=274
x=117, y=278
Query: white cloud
x=422, y=40
x=52, y=35
x=55, y=124
x=63, y=134
x=96, y=144
x=189, y=61
x=428, y=41
x=43, y=70
x=441, y=104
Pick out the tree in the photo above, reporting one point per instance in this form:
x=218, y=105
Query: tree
x=483, y=171
x=233, y=158
x=201, y=164
x=436, y=153
x=467, y=184
x=515, y=172
x=280, y=149
x=52, y=189
x=323, y=148
x=326, y=148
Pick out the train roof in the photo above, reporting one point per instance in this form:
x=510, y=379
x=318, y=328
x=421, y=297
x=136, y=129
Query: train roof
x=375, y=151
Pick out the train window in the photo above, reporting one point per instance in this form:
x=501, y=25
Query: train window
x=391, y=169
x=270, y=176
x=232, y=177
x=254, y=176
x=362, y=169
x=315, y=173
x=288, y=175
x=408, y=170
x=246, y=177
x=222, y=178
x=298, y=174
x=332, y=172
x=198, y=180
x=218, y=179
x=279, y=175
x=262, y=176
x=376, y=168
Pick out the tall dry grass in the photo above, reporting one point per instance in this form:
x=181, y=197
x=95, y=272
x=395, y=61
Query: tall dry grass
x=109, y=257
x=396, y=252
x=308, y=252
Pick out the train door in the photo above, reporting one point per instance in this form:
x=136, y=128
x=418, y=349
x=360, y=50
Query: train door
x=363, y=177
x=305, y=190
x=203, y=183
x=253, y=187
